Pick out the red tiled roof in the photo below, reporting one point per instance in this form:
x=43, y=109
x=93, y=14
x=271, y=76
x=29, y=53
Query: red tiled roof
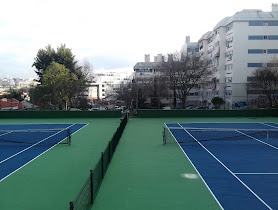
x=5, y=103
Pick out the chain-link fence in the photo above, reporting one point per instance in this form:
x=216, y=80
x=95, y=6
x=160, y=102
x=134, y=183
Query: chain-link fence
x=88, y=193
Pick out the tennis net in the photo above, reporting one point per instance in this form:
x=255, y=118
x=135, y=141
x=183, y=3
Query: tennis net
x=189, y=135
x=35, y=136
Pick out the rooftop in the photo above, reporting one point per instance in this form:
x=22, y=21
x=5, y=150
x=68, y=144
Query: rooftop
x=248, y=15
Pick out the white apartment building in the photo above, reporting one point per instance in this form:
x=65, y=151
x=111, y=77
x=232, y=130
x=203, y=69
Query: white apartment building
x=237, y=46
x=189, y=47
x=105, y=84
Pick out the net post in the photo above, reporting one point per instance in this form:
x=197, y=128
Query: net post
x=69, y=136
x=102, y=166
x=109, y=153
x=71, y=205
x=92, y=186
x=164, y=136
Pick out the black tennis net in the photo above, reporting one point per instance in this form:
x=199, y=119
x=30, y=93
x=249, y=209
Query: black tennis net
x=189, y=135
x=35, y=136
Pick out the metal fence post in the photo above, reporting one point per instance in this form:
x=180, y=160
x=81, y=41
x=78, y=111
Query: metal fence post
x=102, y=166
x=92, y=186
x=109, y=149
x=71, y=205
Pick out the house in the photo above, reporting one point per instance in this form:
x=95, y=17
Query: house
x=11, y=104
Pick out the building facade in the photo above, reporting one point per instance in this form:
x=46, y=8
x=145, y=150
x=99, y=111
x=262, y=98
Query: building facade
x=153, y=73
x=106, y=83
x=237, y=46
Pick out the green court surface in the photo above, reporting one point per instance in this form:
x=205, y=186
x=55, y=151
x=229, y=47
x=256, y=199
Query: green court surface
x=143, y=174
x=55, y=178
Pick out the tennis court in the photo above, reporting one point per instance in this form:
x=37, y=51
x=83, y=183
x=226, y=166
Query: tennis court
x=236, y=161
x=22, y=143
x=55, y=177
x=144, y=173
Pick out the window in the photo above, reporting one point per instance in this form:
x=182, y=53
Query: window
x=255, y=65
x=228, y=92
x=229, y=27
x=256, y=23
x=273, y=37
x=272, y=65
x=229, y=55
x=229, y=42
x=261, y=23
x=190, y=94
x=255, y=37
x=229, y=67
x=228, y=79
x=273, y=23
x=255, y=51
x=272, y=51
x=265, y=37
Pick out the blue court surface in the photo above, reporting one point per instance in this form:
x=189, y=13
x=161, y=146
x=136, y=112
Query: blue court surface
x=238, y=162
x=22, y=143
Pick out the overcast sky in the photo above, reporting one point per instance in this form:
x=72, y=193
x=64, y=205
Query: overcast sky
x=111, y=34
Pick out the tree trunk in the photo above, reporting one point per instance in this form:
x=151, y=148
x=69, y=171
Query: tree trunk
x=269, y=100
x=175, y=99
x=183, y=102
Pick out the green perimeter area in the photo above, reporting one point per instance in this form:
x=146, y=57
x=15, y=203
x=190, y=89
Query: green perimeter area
x=59, y=114
x=207, y=113
x=144, y=174
x=55, y=178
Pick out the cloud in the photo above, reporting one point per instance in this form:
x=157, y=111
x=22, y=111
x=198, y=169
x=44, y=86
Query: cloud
x=112, y=33
x=110, y=61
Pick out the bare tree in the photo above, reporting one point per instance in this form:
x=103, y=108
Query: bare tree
x=183, y=72
x=265, y=81
x=87, y=70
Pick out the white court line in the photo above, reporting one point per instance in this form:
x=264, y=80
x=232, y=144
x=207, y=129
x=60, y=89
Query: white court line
x=269, y=125
x=196, y=169
x=257, y=140
x=38, y=155
x=3, y=134
x=245, y=185
x=32, y=146
x=257, y=173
